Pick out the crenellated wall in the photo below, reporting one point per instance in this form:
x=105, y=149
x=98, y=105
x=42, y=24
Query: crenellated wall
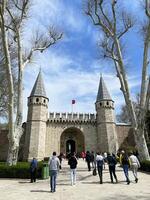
x=68, y=117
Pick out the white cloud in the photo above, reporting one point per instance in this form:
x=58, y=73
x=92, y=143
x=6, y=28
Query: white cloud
x=68, y=83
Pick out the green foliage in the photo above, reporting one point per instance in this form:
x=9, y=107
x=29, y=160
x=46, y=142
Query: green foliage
x=21, y=170
x=145, y=165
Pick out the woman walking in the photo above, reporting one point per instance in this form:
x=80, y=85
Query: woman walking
x=135, y=164
x=73, y=165
x=100, y=163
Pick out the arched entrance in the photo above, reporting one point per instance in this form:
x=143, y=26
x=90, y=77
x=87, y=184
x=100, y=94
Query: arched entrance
x=72, y=140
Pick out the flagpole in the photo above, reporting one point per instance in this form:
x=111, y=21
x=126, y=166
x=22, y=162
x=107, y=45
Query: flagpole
x=72, y=108
x=72, y=102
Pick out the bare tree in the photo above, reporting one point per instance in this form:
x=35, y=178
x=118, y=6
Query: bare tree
x=13, y=14
x=114, y=25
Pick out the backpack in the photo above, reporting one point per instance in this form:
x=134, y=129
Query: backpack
x=125, y=160
x=112, y=160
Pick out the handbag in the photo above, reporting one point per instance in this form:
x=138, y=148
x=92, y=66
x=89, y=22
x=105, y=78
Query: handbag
x=94, y=172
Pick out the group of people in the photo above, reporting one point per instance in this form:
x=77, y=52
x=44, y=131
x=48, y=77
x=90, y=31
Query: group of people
x=97, y=161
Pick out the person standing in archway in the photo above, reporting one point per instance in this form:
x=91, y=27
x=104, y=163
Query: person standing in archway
x=73, y=165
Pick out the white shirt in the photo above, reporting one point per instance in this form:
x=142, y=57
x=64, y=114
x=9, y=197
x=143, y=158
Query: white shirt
x=134, y=160
x=99, y=157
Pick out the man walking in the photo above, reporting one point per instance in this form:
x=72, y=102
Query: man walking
x=73, y=164
x=124, y=161
x=53, y=170
x=33, y=170
x=111, y=160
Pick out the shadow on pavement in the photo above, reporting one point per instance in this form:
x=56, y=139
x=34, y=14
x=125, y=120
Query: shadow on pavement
x=47, y=191
x=22, y=182
x=63, y=183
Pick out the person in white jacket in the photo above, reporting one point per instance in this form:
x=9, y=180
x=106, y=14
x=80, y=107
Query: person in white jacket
x=134, y=164
x=53, y=170
x=100, y=163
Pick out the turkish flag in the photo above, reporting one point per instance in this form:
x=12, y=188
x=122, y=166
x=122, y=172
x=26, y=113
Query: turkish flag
x=73, y=101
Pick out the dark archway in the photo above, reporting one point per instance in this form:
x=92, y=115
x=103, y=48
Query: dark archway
x=70, y=146
x=72, y=140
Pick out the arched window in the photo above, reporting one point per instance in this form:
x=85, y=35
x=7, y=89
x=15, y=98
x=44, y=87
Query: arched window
x=37, y=100
x=107, y=103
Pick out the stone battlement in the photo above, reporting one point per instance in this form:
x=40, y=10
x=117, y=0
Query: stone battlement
x=86, y=117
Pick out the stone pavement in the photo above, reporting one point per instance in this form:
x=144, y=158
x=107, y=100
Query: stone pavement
x=87, y=187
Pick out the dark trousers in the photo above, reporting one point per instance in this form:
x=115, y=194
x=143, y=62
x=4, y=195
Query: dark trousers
x=53, y=175
x=89, y=166
x=112, y=171
x=33, y=175
x=100, y=172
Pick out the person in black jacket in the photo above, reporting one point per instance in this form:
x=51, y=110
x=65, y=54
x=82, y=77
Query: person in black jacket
x=111, y=160
x=88, y=160
x=73, y=165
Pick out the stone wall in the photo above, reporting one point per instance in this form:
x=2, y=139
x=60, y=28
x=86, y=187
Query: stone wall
x=56, y=128
x=125, y=135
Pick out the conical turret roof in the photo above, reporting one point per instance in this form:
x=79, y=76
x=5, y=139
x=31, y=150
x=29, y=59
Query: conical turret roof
x=103, y=93
x=38, y=88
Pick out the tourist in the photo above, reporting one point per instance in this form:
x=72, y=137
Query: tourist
x=111, y=160
x=92, y=159
x=60, y=159
x=73, y=165
x=88, y=160
x=100, y=163
x=33, y=170
x=83, y=155
x=105, y=158
x=53, y=171
x=124, y=161
x=134, y=164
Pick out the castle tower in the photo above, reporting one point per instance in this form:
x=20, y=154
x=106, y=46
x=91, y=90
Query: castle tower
x=106, y=127
x=36, y=121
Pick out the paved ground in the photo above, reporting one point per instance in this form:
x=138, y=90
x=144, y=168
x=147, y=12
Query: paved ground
x=87, y=187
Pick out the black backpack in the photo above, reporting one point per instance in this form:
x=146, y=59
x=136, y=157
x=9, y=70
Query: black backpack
x=125, y=160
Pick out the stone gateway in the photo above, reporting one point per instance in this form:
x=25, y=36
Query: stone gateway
x=70, y=132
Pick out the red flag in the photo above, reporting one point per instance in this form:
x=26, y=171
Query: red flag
x=73, y=101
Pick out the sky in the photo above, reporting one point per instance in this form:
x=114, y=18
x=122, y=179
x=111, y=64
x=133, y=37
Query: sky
x=71, y=68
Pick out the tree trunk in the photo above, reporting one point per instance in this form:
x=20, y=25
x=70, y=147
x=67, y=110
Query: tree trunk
x=18, y=131
x=141, y=144
x=10, y=88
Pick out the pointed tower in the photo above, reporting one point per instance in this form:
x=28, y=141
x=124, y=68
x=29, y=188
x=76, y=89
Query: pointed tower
x=106, y=127
x=36, y=121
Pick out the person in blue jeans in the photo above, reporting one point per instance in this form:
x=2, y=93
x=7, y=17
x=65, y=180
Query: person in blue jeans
x=33, y=170
x=125, y=164
x=54, y=165
x=100, y=163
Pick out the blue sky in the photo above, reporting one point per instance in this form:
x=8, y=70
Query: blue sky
x=71, y=68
